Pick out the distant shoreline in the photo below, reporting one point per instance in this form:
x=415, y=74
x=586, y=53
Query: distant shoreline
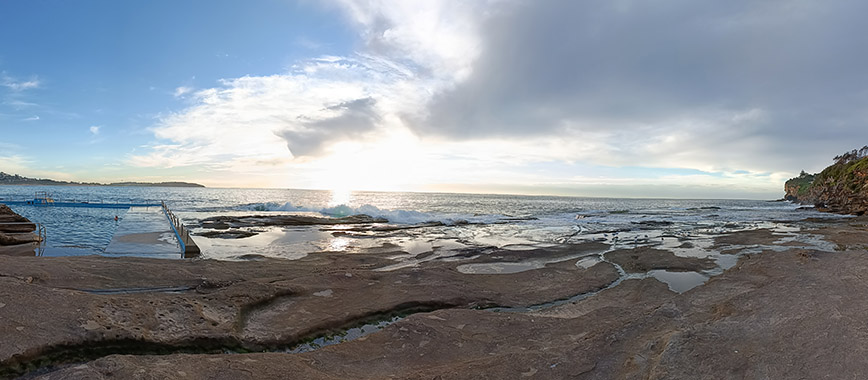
x=17, y=180
x=119, y=184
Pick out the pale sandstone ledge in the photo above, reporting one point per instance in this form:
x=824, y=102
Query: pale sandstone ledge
x=17, y=235
x=791, y=314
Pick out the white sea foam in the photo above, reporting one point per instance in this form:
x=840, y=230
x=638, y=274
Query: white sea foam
x=393, y=216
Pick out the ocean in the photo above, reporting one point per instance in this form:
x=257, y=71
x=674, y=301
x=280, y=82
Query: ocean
x=422, y=226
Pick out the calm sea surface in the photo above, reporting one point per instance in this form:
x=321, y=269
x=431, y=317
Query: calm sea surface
x=469, y=221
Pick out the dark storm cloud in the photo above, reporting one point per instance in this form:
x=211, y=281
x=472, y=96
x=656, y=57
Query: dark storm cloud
x=616, y=64
x=343, y=120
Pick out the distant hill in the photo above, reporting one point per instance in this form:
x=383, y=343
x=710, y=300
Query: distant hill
x=156, y=184
x=15, y=179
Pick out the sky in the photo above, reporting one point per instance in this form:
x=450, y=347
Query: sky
x=617, y=98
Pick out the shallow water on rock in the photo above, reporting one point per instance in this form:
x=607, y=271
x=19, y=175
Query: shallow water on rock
x=679, y=282
x=416, y=228
x=500, y=268
x=346, y=336
x=417, y=223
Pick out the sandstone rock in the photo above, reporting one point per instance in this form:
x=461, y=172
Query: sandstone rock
x=223, y=223
x=747, y=238
x=644, y=259
x=15, y=230
x=16, y=239
x=775, y=315
x=73, y=307
x=286, y=220
x=841, y=188
x=231, y=234
x=798, y=189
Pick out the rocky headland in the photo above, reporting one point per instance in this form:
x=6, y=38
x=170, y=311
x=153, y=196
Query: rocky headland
x=842, y=187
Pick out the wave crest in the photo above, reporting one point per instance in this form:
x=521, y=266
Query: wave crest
x=393, y=216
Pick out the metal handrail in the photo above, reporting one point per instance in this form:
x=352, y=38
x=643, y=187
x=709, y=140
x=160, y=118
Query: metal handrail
x=183, y=234
x=76, y=200
x=43, y=237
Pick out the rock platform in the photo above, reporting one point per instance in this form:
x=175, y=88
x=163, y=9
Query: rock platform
x=17, y=233
x=784, y=313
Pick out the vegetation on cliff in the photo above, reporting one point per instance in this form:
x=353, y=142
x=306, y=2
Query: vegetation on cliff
x=798, y=188
x=841, y=187
x=156, y=184
x=15, y=179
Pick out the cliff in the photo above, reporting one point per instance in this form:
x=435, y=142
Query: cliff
x=798, y=189
x=842, y=187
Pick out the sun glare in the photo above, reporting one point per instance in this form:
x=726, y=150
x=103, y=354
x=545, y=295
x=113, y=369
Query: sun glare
x=339, y=197
x=386, y=164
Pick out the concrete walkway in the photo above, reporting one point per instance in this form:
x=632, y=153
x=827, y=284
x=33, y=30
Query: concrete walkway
x=144, y=231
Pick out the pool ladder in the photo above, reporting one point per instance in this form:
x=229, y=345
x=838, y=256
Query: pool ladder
x=43, y=237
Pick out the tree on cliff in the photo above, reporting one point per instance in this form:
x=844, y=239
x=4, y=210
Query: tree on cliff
x=853, y=155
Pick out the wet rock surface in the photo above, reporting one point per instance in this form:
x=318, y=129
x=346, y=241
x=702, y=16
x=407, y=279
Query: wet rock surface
x=230, y=234
x=553, y=254
x=17, y=235
x=644, y=259
x=11, y=222
x=239, y=227
x=753, y=237
x=797, y=313
x=69, y=308
x=225, y=222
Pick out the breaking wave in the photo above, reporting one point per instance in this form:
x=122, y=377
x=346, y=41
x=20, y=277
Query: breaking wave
x=393, y=216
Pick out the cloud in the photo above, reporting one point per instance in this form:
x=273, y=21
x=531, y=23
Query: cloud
x=278, y=117
x=32, y=118
x=326, y=100
x=308, y=43
x=19, y=104
x=183, y=90
x=341, y=121
x=18, y=85
x=95, y=129
x=503, y=85
x=678, y=84
x=13, y=163
x=640, y=76
x=439, y=37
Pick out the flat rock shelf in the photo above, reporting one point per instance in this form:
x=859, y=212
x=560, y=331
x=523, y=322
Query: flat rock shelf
x=768, y=316
x=18, y=235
